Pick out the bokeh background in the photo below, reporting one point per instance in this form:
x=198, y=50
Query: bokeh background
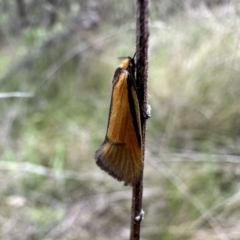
x=57, y=59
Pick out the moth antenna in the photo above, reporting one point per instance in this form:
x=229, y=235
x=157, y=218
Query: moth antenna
x=134, y=55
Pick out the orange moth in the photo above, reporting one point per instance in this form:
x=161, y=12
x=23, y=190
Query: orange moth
x=120, y=154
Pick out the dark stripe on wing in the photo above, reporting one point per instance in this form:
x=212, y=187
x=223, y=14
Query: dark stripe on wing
x=133, y=109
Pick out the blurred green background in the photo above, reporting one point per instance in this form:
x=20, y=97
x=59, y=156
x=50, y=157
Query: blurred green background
x=64, y=54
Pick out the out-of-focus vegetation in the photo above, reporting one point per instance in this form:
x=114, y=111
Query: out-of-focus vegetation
x=65, y=53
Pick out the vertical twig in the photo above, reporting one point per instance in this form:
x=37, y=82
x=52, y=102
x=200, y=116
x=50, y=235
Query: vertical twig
x=142, y=33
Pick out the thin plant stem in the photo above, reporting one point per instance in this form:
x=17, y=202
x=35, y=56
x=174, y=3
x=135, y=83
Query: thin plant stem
x=142, y=33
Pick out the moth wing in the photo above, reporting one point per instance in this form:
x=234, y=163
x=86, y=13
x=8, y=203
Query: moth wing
x=120, y=154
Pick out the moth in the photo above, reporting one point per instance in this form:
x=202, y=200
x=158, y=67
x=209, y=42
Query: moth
x=120, y=154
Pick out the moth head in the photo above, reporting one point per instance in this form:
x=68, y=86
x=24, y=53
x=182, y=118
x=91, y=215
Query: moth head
x=127, y=63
